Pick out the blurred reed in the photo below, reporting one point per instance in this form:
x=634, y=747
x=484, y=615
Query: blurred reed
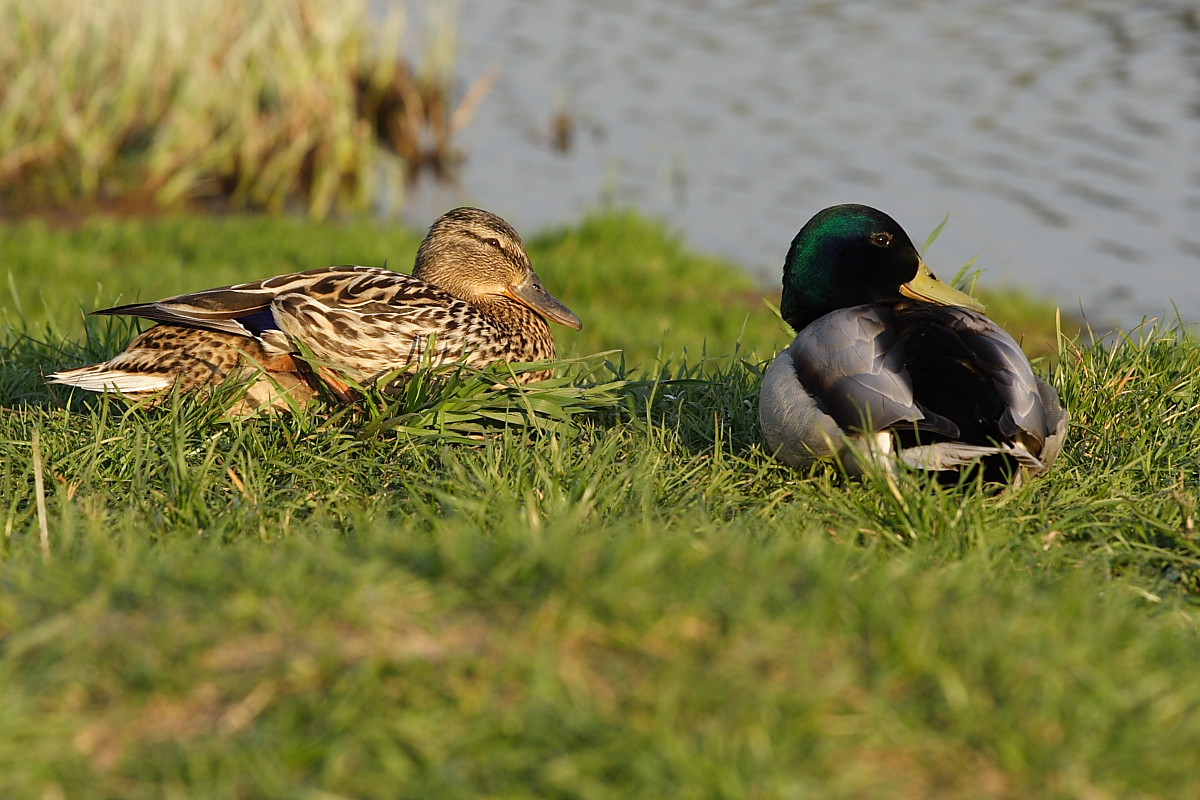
x=272, y=105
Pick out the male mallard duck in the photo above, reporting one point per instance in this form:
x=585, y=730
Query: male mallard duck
x=472, y=296
x=889, y=360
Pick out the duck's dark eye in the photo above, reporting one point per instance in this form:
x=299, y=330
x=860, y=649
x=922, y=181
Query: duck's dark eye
x=493, y=241
x=881, y=239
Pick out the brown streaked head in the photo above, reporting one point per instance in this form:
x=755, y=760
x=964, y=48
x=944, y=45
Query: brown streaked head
x=478, y=257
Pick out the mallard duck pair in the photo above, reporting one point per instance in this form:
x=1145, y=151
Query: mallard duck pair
x=473, y=298
x=890, y=363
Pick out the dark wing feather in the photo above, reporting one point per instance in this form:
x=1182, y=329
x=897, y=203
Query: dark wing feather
x=244, y=309
x=970, y=369
x=853, y=363
x=214, y=310
x=1000, y=359
x=1011, y=374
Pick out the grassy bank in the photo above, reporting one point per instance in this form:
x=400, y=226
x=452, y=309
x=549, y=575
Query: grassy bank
x=640, y=604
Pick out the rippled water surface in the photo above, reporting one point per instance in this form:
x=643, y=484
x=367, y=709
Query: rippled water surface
x=1062, y=138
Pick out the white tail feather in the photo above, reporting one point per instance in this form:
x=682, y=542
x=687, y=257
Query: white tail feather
x=951, y=455
x=98, y=379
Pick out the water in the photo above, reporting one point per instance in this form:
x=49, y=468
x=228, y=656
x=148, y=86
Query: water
x=1062, y=138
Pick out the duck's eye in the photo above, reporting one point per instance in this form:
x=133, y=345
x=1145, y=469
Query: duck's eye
x=881, y=239
x=493, y=241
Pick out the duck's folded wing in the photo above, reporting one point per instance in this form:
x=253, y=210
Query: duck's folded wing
x=1032, y=411
x=244, y=309
x=842, y=374
x=220, y=310
x=852, y=363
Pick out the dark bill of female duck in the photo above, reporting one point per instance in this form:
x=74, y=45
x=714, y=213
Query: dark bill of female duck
x=531, y=293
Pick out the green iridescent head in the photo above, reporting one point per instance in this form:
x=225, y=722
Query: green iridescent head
x=850, y=255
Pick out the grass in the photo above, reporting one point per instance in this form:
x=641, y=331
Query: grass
x=638, y=603
x=268, y=105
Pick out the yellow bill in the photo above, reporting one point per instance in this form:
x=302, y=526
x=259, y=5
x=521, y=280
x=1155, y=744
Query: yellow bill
x=924, y=286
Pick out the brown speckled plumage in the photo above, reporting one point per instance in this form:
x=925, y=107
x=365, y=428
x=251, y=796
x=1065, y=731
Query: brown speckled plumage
x=473, y=295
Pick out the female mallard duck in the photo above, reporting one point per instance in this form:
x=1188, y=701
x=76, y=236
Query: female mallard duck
x=890, y=362
x=472, y=296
